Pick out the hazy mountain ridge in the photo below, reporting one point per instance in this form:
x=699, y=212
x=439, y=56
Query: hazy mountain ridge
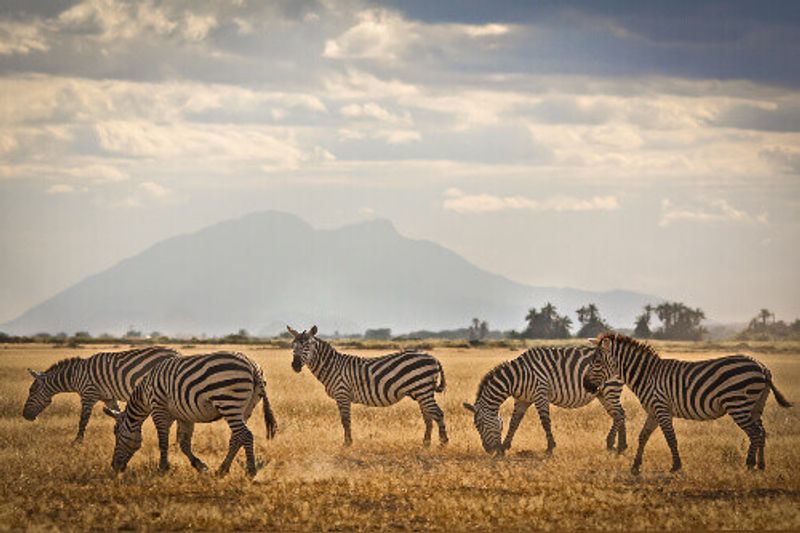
x=267, y=269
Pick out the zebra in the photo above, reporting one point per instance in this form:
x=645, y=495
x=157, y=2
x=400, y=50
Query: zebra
x=197, y=388
x=737, y=385
x=106, y=377
x=373, y=381
x=542, y=376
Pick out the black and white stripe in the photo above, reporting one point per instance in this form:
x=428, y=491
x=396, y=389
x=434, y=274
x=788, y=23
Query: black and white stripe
x=108, y=377
x=542, y=376
x=198, y=388
x=737, y=385
x=377, y=382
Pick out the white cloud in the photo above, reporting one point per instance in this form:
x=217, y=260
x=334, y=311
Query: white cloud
x=60, y=188
x=196, y=27
x=719, y=211
x=154, y=189
x=21, y=38
x=484, y=30
x=460, y=202
x=97, y=173
x=374, y=111
x=377, y=34
x=197, y=142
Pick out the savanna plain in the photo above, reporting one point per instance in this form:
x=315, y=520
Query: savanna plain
x=387, y=480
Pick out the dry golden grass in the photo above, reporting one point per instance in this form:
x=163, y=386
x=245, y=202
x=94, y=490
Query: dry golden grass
x=387, y=480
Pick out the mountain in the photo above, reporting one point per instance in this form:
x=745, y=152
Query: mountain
x=268, y=269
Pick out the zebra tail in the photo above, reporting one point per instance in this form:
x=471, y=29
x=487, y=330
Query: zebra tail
x=780, y=398
x=442, y=385
x=269, y=417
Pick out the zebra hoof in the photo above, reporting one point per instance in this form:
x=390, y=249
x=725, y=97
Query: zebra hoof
x=443, y=443
x=675, y=469
x=635, y=470
x=426, y=443
x=200, y=466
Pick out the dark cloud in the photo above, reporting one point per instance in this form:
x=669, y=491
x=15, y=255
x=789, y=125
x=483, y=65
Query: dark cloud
x=728, y=40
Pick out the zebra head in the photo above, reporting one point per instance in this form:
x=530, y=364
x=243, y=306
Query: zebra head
x=128, y=434
x=489, y=425
x=40, y=395
x=304, y=347
x=603, y=366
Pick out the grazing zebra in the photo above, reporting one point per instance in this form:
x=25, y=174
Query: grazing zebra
x=697, y=390
x=198, y=388
x=106, y=377
x=542, y=376
x=373, y=381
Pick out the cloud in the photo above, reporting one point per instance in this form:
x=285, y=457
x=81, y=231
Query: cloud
x=97, y=173
x=714, y=211
x=460, y=202
x=154, y=189
x=60, y=188
x=377, y=34
x=786, y=159
x=198, y=142
x=21, y=38
x=484, y=30
x=374, y=111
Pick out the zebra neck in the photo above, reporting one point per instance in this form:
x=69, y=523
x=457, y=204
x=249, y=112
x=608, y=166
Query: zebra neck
x=325, y=360
x=139, y=405
x=67, y=378
x=636, y=367
x=495, y=390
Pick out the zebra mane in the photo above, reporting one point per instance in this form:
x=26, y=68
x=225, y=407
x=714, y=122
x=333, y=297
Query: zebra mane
x=490, y=375
x=326, y=344
x=62, y=365
x=624, y=340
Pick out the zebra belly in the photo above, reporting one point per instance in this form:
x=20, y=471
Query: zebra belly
x=202, y=411
x=567, y=402
x=375, y=400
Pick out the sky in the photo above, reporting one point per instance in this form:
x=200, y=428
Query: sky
x=650, y=146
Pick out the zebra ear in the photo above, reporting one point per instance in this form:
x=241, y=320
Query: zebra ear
x=111, y=412
x=606, y=344
x=34, y=373
x=313, y=331
x=294, y=333
x=469, y=407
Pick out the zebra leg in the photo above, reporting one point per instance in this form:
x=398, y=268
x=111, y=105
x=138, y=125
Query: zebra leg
x=344, y=414
x=87, y=404
x=542, y=403
x=426, y=440
x=760, y=459
x=185, y=431
x=649, y=427
x=520, y=408
x=664, y=418
x=163, y=422
x=240, y=436
x=617, y=414
x=755, y=432
x=431, y=411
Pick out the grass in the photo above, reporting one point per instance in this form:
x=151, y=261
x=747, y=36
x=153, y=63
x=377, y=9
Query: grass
x=387, y=480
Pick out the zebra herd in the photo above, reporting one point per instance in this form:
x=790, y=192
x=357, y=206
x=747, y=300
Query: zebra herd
x=160, y=383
